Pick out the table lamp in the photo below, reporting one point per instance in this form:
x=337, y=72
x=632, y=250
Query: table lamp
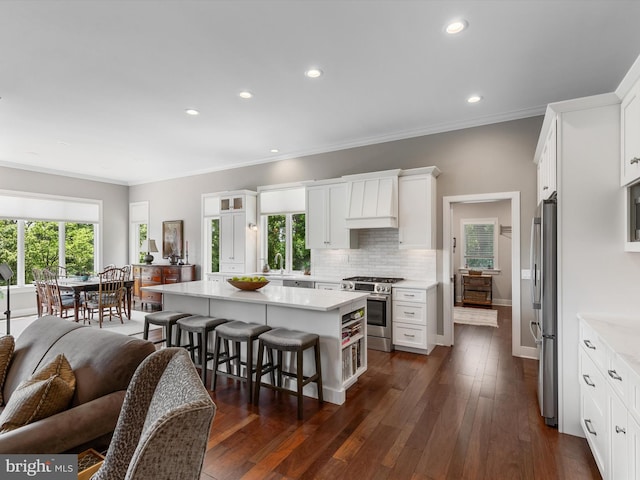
x=148, y=246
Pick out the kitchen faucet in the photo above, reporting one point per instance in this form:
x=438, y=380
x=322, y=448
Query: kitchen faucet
x=275, y=260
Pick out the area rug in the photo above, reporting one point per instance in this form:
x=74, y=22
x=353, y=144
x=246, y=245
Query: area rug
x=132, y=327
x=475, y=316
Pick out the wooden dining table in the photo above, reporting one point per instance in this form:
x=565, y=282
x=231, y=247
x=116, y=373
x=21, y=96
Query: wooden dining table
x=76, y=287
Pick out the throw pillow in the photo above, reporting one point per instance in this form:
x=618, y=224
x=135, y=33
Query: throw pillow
x=7, y=344
x=46, y=393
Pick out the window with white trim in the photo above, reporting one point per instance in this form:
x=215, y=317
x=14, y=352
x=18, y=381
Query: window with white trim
x=282, y=227
x=211, y=233
x=138, y=230
x=38, y=231
x=479, y=243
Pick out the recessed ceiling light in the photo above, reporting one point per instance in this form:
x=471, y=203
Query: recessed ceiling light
x=274, y=150
x=456, y=27
x=245, y=94
x=191, y=111
x=313, y=73
x=474, y=99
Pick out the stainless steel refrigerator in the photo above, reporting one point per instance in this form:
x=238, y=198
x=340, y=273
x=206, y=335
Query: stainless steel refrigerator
x=544, y=295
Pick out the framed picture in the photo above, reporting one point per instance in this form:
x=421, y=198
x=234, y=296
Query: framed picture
x=172, y=234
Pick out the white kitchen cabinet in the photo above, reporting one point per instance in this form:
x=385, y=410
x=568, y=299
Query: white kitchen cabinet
x=619, y=440
x=608, y=393
x=238, y=246
x=325, y=217
x=630, y=136
x=417, y=208
x=593, y=411
x=547, y=164
x=414, y=319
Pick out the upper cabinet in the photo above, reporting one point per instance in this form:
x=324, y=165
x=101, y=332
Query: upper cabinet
x=372, y=199
x=238, y=243
x=325, y=215
x=417, y=208
x=630, y=141
x=547, y=163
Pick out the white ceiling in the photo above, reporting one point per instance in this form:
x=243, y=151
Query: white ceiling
x=98, y=89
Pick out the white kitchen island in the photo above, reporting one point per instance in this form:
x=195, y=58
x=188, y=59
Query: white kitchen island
x=327, y=313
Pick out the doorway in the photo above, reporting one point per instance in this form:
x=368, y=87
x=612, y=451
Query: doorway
x=448, y=204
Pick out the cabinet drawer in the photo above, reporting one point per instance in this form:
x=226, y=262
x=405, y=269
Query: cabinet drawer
x=232, y=267
x=633, y=394
x=410, y=335
x=593, y=346
x=618, y=376
x=151, y=297
x=593, y=423
x=151, y=275
x=327, y=286
x=410, y=295
x=409, y=313
x=593, y=383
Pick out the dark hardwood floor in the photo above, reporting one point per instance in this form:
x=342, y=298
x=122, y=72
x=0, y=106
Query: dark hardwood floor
x=466, y=412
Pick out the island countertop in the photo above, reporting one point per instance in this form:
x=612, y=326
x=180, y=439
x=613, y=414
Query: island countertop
x=302, y=298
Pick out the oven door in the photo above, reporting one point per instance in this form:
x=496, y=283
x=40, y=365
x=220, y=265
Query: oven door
x=379, y=316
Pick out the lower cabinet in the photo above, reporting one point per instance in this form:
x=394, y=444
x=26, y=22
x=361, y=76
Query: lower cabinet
x=608, y=420
x=414, y=319
x=149, y=275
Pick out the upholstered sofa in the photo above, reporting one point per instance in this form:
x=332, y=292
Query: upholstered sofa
x=103, y=363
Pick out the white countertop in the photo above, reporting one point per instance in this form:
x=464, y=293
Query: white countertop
x=421, y=284
x=620, y=333
x=303, y=298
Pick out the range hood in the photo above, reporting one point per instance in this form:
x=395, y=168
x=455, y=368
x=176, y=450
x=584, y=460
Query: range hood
x=372, y=199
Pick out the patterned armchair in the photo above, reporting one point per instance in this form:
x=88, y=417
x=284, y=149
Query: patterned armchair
x=164, y=425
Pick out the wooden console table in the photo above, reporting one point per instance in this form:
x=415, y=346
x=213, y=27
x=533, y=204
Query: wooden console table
x=477, y=289
x=150, y=275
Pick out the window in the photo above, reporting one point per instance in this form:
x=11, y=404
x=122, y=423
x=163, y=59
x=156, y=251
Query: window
x=480, y=243
x=211, y=233
x=214, y=226
x=285, y=234
x=9, y=246
x=38, y=231
x=283, y=227
x=138, y=230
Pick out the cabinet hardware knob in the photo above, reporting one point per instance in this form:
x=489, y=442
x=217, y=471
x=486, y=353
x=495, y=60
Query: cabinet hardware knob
x=409, y=313
x=587, y=380
x=620, y=430
x=588, y=424
x=589, y=344
x=613, y=374
x=634, y=160
x=545, y=188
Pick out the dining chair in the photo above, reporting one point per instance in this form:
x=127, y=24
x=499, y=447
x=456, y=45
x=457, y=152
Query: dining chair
x=59, y=305
x=109, y=297
x=42, y=296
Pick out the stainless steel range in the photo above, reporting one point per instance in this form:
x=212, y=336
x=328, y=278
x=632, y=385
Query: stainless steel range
x=378, y=308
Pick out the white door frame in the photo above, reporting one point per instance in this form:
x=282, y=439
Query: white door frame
x=447, y=309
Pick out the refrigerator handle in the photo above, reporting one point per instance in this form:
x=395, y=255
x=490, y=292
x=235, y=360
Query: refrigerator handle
x=535, y=225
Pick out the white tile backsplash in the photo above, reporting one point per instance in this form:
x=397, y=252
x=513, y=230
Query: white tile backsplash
x=378, y=255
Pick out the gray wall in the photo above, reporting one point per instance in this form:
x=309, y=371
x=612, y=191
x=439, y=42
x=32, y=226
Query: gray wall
x=502, y=211
x=487, y=159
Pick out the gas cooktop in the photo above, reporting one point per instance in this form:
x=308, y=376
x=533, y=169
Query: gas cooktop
x=373, y=279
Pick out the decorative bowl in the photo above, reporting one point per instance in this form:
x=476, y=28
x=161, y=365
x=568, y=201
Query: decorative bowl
x=247, y=285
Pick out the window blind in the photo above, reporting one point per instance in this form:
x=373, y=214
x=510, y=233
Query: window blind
x=479, y=240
